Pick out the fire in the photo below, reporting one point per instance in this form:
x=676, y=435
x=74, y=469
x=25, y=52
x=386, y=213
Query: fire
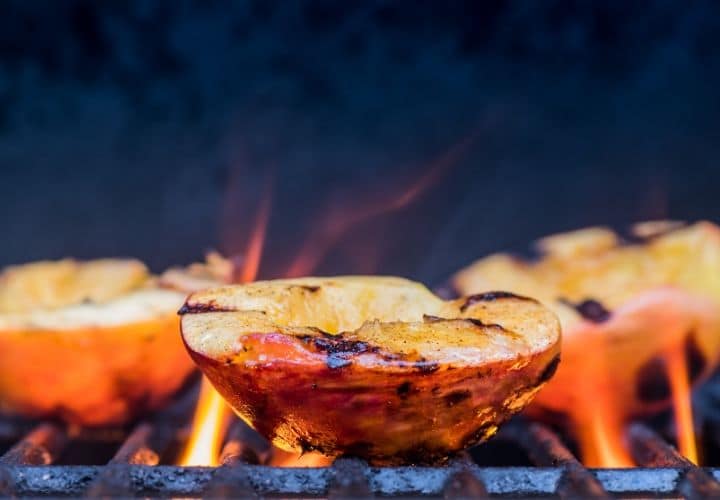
x=599, y=418
x=337, y=222
x=209, y=425
x=677, y=372
x=212, y=414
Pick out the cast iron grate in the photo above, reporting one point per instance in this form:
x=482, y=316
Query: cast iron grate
x=34, y=466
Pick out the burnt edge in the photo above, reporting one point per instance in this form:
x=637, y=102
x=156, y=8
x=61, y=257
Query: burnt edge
x=490, y=297
x=590, y=309
x=200, y=308
x=549, y=369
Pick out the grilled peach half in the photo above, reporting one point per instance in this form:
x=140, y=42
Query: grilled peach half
x=92, y=343
x=627, y=310
x=375, y=367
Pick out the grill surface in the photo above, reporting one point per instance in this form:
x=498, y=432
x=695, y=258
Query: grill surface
x=33, y=466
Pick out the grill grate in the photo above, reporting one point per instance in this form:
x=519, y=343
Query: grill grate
x=30, y=468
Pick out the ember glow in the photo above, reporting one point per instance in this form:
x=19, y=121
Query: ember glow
x=212, y=414
x=281, y=458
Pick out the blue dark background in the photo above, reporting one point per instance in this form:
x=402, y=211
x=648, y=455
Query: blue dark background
x=151, y=129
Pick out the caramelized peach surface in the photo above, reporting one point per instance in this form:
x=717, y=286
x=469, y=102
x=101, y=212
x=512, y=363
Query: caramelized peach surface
x=624, y=309
x=368, y=366
x=92, y=343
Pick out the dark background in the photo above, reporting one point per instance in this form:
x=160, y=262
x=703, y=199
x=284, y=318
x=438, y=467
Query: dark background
x=150, y=129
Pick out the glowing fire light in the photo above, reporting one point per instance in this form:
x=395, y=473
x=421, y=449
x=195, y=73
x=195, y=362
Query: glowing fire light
x=677, y=371
x=598, y=417
x=209, y=426
x=599, y=420
x=325, y=234
x=282, y=458
x=212, y=414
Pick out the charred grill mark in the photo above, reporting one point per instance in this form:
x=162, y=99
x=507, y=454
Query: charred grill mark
x=339, y=351
x=456, y=397
x=427, y=318
x=590, y=309
x=549, y=370
x=200, y=308
x=404, y=389
x=490, y=297
x=426, y=367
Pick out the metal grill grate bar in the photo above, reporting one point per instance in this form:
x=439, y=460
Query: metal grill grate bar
x=137, y=449
x=545, y=449
x=244, y=446
x=41, y=446
x=349, y=479
x=650, y=450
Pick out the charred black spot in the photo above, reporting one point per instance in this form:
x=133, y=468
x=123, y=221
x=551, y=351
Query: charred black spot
x=589, y=309
x=490, y=297
x=306, y=446
x=339, y=351
x=198, y=308
x=695, y=359
x=426, y=367
x=429, y=318
x=404, y=389
x=313, y=386
x=311, y=289
x=549, y=370
x=456, y=397
x=652, y=382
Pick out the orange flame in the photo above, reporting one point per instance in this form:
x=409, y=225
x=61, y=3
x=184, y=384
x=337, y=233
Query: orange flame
x=601, y=435
x=600, y=419
x=209, y=425
x=212, y=414
x=597, y=417
x=677, y=371
x=325, y=235
x=253, y=255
